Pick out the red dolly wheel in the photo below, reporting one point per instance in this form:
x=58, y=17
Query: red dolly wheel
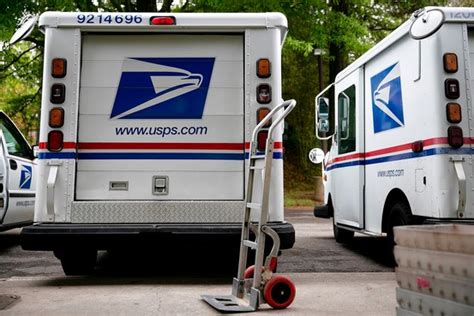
x=248, y=274
x=279, y=292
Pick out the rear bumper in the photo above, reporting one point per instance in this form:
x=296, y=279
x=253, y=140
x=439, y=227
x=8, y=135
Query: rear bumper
x=103, y=237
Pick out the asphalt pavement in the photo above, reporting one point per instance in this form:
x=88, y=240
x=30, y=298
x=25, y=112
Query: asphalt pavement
x=331, y=279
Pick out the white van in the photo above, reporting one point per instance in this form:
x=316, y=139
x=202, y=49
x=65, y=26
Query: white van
x=145, y=127
x=17, y=177
x=402, y=149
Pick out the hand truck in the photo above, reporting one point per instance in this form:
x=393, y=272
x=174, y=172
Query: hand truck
x=257, y=284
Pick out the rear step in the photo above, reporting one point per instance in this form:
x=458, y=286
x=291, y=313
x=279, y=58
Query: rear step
x=322, y=211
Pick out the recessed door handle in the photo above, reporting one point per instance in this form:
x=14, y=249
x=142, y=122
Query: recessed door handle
x=13, y=164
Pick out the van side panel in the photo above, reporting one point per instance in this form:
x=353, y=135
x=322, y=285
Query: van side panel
x=62, y=186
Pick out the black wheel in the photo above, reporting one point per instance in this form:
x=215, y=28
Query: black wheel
x=77, y=262
x=399, y=215
x=342, y=235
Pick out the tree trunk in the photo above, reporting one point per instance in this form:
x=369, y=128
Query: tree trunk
x=166, y=7
x=337, y=51
x=146, y=6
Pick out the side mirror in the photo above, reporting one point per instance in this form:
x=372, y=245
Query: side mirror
x=324, y=113
x=316, y=155
x=35, y=151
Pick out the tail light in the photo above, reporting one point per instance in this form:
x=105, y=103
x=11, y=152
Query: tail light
x=56, y=117
x=417, y=147
x=264, y=93
x=450, y=62
x=55, y=141
x=162, y=20
x=455, y=137
x=263, y=68
x=262, y=140
x=453, y=112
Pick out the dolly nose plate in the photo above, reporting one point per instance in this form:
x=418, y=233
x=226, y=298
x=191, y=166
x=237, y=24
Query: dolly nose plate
x=227, y=303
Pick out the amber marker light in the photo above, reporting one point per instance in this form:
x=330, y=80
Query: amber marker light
x=450, y=62
x=453, y=112
x=56, y=117
x=58, y=69
x=263, y=68
x=261, y=113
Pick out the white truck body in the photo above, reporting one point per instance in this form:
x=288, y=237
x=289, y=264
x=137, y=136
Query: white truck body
x=391, y=142
x=17, y=177
x=157, y=122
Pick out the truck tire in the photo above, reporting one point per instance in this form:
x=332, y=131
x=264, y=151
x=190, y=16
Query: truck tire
x=77, y=262
x=342, y=236
x=399, y=215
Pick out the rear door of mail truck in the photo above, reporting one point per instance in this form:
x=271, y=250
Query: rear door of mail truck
x=161, y=117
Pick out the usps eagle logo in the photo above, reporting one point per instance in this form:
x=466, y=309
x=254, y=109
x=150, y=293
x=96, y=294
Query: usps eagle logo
x=163, y=88
x=387, y=103
x=25, y=177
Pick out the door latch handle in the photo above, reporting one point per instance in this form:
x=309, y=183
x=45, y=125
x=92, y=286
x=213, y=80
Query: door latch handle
x=13, y=164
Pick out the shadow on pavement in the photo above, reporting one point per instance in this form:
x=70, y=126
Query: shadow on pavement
x=374, y=248
x=9, y=239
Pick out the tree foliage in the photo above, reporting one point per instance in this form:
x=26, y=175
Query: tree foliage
x=343, y=29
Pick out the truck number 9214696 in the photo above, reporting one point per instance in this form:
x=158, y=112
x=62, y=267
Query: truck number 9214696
x=109, y=19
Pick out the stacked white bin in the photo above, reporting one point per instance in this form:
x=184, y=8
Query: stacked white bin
x=435, y=271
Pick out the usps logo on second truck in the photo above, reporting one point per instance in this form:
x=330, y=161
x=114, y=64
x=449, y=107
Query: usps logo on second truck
x=387, y=103
x=163, y=88
x=25, y=177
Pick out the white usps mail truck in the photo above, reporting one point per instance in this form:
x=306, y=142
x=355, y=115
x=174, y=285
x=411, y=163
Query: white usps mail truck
x=402, y=144
x=17, y=177
x=145, y=127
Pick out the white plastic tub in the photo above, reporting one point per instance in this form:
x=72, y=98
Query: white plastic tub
x=448, y=238
x=430, y=305
x=436, y=284
x=455, y=264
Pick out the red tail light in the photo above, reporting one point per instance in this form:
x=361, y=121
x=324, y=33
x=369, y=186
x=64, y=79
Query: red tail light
x=262, y=140
x=455, y=137
x=55, y=141
x=417, y=146
x=162, y=20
